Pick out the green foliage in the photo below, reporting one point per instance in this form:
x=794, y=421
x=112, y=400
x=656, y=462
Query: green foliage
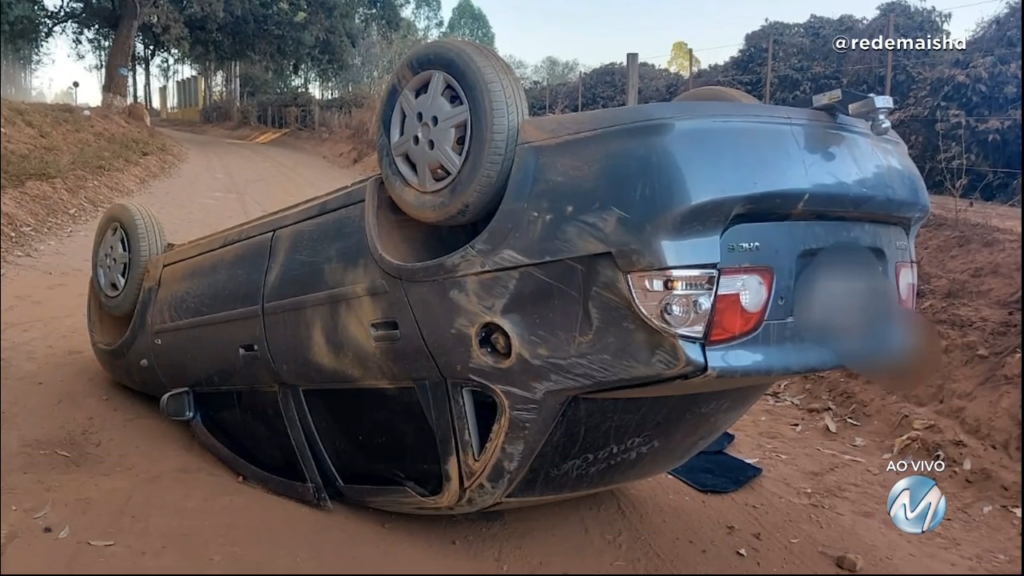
x=426, y=15
x=469, y=22
x=679, y=61
x=603, y=87
x=23, y=34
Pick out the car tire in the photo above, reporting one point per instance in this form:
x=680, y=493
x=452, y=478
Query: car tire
x=127, y=238
x=456, y=174
x=716, y=94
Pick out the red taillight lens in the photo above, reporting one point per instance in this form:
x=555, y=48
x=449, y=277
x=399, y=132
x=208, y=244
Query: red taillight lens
x=741, y=303
x=906, y=284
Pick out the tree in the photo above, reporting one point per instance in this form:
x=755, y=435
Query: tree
x=426, y=15
x=554, y=70
x=522, y=68
x=23, y=33
x=679, y=61
x=469, y=22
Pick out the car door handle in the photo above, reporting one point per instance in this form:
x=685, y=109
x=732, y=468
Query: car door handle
x=247, y=352
x=383, y=331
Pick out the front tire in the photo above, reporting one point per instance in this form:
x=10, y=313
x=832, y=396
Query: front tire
x=127, y=238
x=449, y=124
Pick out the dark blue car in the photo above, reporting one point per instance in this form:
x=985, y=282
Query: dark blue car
x=518, y=310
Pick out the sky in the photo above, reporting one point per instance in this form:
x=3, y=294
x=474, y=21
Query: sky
x=599, y=31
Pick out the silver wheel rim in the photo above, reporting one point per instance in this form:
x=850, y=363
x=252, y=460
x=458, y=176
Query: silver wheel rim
x=430, y=130
x=112, y=258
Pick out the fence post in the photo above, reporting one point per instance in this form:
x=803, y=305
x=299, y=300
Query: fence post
x=579, y=93
x=632, y=78
x=888, y=58
x=689, y=80
x=547, y=96
x=768, y=76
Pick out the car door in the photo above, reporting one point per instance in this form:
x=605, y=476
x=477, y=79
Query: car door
x=207, y=324
x=331, y=315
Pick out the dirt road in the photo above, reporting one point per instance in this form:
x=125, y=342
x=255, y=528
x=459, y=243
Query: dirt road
x=103, y=464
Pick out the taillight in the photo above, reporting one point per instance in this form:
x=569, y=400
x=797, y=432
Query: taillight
x=741, y=303
x=675, y=301
x=906, y=284
x=724, y=305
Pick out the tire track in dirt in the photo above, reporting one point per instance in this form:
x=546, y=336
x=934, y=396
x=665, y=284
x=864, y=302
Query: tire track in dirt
x=131, y=477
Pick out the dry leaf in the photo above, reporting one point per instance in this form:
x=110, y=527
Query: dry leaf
x=101, y=543
x=784, y=457
x=858, y=442
x=921, y=424
x=62, y=453
x=1015, y=510
x=794, y=540
x=967, y=464
x=796, y=427
x=986, y=509
x=46, y=510
x=830, y=423
x=905, y=440
x=841, y=455
x=851, y=421
x=64, y=533
x=742, y=552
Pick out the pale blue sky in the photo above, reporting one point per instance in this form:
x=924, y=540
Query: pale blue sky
x=599, y=31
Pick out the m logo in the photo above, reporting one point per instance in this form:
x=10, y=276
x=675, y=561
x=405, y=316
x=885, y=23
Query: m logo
x=916, y=505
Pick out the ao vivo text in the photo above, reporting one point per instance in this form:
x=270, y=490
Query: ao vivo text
x=916, y=466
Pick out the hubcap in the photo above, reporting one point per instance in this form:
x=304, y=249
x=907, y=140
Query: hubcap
x=430, y=130
x=112, y=261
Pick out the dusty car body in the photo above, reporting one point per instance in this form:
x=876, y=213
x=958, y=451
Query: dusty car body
x=339, y=349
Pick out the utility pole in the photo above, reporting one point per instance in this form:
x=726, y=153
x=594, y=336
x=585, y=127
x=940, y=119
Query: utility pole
x=579, y=93
x=689, y=80
x=632, y=78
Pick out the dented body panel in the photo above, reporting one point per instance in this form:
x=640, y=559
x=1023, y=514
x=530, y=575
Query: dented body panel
x=335, y=350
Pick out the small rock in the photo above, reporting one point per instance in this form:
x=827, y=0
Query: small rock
x=982, y=353
x=742, y=552
x=850, y=562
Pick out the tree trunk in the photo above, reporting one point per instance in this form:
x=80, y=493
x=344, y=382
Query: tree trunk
x=147, y=78
x=115, y=83
x=135, y=76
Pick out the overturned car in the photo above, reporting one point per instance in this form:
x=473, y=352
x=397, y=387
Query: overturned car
x=519, y=310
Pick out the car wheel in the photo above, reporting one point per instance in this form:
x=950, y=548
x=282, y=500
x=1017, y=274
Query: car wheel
x=127, y=238
x=716, y=94
x=449, y=123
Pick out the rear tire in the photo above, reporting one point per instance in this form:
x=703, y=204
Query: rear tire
x=128, y=237
x=716, y=94
x=449, y=124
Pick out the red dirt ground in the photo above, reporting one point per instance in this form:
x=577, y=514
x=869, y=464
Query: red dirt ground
x=81, y=453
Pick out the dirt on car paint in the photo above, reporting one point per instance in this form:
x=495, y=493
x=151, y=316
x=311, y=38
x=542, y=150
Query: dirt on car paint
x=136, y=494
